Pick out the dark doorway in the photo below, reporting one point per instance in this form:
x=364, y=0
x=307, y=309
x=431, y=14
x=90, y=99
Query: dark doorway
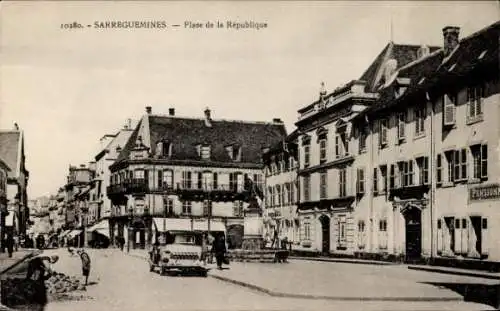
x=413, y=219
x=325, y=234
x=476, y=225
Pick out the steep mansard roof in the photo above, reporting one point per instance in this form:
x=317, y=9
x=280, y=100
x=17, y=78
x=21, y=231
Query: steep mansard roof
x=185, y=134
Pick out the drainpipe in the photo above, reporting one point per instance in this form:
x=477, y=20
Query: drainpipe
x=370, y=173
x=431, y=174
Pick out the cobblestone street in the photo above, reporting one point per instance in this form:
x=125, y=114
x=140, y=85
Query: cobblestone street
x=123, y=282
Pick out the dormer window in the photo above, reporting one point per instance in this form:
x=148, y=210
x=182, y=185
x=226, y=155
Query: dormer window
x=167, y=149
x=234, y=152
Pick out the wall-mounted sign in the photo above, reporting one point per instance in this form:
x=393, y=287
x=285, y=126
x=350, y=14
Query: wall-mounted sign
x=486, y=192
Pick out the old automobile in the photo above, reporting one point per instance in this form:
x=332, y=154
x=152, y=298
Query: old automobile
x=181, y=253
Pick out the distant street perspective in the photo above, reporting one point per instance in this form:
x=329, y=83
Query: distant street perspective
x=326, y=157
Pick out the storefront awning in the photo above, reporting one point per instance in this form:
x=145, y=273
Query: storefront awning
x=102, y=225
x=74, y=233
x=104, y=232
x=180, y=224
x=64, y=233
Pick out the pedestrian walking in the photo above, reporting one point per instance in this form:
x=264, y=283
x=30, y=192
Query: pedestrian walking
x=10, y=244
x=38, y=272
x=219, y=249
x=16, y=243
x=85, y=264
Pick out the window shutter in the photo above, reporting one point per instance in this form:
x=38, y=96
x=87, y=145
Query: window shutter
x=448, y=111
x=456, y=163
x=484, y=161
x=383, y=132
x=439, y=170
x=485, y=236
x=401, y=126
x=375, y=181
x=337, y=146
x=361, y=181
x=160, y=179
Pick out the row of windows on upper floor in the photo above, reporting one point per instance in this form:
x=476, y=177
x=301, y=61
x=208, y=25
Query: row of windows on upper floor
x=474, y=114
x=165, y=178
x=281, y=195
x=280, y=165
x=164, y=149
x=452, y=167
x=187, y=208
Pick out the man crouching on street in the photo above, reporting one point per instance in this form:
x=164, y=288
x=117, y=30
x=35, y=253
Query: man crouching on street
x=85, y=264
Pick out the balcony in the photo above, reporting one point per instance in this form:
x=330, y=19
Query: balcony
x=216, y=193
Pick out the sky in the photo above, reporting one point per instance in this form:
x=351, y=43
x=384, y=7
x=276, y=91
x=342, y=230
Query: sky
x=66, y=88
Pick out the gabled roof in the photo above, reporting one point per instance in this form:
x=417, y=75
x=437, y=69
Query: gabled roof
x=402, y=53
x=435, y=68
x=10, y=147
x=185, y=134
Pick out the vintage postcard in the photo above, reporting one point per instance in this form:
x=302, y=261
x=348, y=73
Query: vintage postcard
x=249, y=155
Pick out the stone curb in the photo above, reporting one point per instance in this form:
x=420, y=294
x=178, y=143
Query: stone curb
x=462, y=273
x=33, y=253
x=340, y=260
x=336, y=298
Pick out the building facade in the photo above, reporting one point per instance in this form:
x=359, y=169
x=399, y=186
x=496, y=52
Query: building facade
x=421, y=160
x=12, y=153
x=76, y=203
x=432, y=154
x=281, y=191
x=189, y=174
x=4, y=173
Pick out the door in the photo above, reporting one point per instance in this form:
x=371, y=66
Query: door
x=413, y=233
x=477, y=233
x=325, y=234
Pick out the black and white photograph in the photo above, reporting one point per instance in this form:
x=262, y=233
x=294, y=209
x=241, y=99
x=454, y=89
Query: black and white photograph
x=249, y=155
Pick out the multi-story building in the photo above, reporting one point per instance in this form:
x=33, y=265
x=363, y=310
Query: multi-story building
x=415, y=173
x=77, y=188
x=326, y=174
x=4, y=173
x=429, y=151
x=187, y=173
x=281, y=190
x=100, y=204
x=12, y=153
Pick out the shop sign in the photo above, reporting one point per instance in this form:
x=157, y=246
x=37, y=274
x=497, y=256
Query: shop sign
x=487, y=192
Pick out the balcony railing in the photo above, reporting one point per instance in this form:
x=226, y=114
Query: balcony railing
x=193, y=190
x=232, y=187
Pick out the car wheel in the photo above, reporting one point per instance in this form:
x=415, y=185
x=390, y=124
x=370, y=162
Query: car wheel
x=204, y=274
x=151, y=268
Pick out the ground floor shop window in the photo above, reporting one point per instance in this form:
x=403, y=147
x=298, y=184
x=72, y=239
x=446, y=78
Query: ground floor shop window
x=464, y=236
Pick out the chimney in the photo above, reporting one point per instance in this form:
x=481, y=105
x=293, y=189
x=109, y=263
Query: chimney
x=82, y=165
x=277, y=121
x=450, y=38
x=171, y=112
x=128, y=124
x=16, y=127
x=208, y=117
x=118, y=149
x=148, y=109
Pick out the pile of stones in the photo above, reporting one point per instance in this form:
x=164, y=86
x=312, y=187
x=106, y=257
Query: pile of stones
x=60, y=283
x=19, y=291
